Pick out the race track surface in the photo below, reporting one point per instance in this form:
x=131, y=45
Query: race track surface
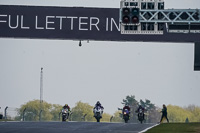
x=71, y=127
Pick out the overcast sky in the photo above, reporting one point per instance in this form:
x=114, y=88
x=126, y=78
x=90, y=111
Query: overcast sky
x=104, y=71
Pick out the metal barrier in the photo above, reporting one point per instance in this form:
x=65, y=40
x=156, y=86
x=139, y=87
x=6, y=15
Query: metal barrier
x=10, y=113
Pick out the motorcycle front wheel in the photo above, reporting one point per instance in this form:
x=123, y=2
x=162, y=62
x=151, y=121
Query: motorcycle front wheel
x=98, y=120
x=63, y=119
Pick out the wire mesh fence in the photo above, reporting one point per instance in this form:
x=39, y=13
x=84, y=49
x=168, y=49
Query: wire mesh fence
x=11, y=113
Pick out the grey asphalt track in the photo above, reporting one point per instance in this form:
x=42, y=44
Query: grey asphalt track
x=71, y=127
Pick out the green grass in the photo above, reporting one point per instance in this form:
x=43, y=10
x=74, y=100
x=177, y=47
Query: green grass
x=5, y=120
x=176, y=128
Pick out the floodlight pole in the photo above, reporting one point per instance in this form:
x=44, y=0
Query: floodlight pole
x=41, y=94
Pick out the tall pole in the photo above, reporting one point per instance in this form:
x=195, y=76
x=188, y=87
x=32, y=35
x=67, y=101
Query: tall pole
x=41, y=86
x=41, y=94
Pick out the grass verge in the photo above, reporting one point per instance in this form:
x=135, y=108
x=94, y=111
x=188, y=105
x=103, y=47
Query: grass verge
x=4, y=120
x=176, y=128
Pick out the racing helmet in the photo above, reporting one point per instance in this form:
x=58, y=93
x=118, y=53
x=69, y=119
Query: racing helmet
x=126, y=104
x=98, y=103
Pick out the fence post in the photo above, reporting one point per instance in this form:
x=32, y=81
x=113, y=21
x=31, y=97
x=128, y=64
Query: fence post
x=23, y=114
x=40, y=115
x=6, y=112
x=59, y=115
x=1, y=115
x=84, y=117
x=111, y=118
x=70, y=116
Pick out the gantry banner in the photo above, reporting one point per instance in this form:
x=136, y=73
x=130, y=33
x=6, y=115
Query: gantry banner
x=73, y=23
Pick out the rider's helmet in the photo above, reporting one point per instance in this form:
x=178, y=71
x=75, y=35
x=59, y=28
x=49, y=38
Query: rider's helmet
x=66, y=104
x=126, y=104
x=98, y=103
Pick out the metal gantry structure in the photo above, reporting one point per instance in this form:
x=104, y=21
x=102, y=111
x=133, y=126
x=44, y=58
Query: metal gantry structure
x=150, y=17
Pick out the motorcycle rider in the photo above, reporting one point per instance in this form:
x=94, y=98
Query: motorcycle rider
x=128, y=108
x=98, y=104
x=66, y=106
x=140, y=107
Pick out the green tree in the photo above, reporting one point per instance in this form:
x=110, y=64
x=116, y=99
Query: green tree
x=151, y=112
x=33, y=110
x=195, y=110
x=147, y=104
x=55, y=111
x=80, y=110
x=117, y=116
x=130, y=100
x=178, y=114
x=133, y=103
x=196, y=114
x=106, y=117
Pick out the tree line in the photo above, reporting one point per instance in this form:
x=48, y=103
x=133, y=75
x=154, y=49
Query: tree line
x=184, y=114
x=84, y=112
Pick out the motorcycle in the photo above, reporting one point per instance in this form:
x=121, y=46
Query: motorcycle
x=65, y=114
x=98, y=113
x=141, y=115
x=126, y=115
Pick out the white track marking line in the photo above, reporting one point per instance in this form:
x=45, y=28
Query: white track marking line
x=148, y=128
